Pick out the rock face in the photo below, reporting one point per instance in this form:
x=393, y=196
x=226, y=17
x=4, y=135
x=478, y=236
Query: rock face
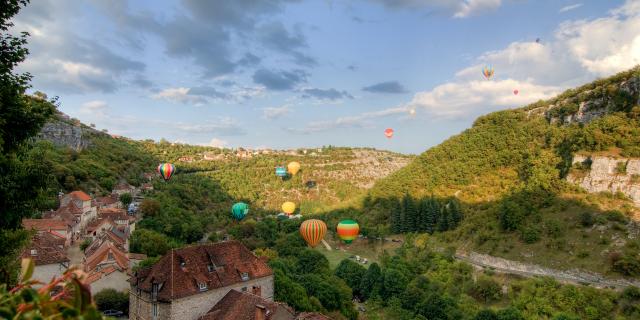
x=609, y=174
x=65, y=134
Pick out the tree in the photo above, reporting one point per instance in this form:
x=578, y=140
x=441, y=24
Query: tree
x=396, y=217
x=110, y=299
x=126, y=199
x=371, y=284
x=444, y=221
x=23, y=179
x=149, y=242
x=454, y=212
x=432, y=210
x=149, y=207
x=394, y=283
x=409, y=214
x=486, y=314
x=352, y=273
x=290, y=292
x=510, y=313
x=486, y=289
x=312, y=261
x=85, y=244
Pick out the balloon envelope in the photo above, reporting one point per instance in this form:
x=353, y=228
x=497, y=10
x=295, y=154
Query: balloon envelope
x=281, y=171
x=516, y=92
x=239, y=210
x=293, y=167
x=312, y=231
x=388, y=133
x=487, y=72
x=348, y=230
x=288, y=207
x=166, y=170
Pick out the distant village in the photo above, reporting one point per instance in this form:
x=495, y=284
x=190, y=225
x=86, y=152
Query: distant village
x=214, y=281
x=242, y=153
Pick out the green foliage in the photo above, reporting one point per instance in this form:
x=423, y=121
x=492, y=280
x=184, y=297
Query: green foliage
x=586, y=219
x=486, y=289
x=148, y=262
x=150, y=242
x=85, y=244
x=352, y=273
x=126, y=199
x=111, y=299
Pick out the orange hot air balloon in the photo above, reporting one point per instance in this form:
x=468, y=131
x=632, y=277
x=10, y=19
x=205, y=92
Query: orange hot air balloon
x=388, y=133
x=516, y=92
x=312, y=231
x=288, y=207
x=293, y=167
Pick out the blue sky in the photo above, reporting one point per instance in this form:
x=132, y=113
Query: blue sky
x=286, y=73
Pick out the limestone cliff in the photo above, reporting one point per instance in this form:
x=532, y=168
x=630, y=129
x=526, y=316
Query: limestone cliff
x=62, y=131
x=606, y=173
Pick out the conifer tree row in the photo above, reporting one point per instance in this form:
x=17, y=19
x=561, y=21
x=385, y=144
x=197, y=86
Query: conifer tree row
x=424, y=215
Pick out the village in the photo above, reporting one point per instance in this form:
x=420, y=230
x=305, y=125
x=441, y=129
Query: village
x=223, y=280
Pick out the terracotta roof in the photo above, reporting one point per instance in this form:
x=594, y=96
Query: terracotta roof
x=97, y=275
x=137, y=256
x=101, y=255
x=237, y=305
x=44, y=224
x=114, y=213
x=178, y=270
x=99, y=223
x=48, y=250
x=69, y=208
x=312, y=316
x=106, y=200
x=80, y=195
x=104, y=237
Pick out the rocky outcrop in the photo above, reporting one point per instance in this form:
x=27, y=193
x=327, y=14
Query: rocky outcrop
x=600, y=173
x=65, y=134
x=531, y=270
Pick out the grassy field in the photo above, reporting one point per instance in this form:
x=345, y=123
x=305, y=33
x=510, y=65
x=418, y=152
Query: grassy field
x=360, y=247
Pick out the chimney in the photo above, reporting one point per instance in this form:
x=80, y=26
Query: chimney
x=260, y=312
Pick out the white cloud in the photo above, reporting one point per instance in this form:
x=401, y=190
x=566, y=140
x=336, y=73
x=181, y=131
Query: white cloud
x=362, y=120
x=271, y=113
x=180, y=94
x=570, y=7
x=95, y=108
x=217, y=143
x=471, y=7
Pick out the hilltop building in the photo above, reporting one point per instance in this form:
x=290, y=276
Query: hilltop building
x=107, y=267
x=79, y=204
x=186, y=283
x=47, y=252
x=57, y=228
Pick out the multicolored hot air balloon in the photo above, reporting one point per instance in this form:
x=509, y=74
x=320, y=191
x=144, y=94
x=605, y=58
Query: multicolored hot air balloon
x=515, y=92
x=281, y=171
x=239, y=210
x=348, y=230
x=288, y=207
x=166, y=170
x=487, y=72
x=312, y=231
x=293, y=167
x=388, y=133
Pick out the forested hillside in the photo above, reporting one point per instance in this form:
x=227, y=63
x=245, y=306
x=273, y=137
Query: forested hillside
x=508, y=173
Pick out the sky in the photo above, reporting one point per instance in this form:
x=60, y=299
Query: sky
x=287, y=74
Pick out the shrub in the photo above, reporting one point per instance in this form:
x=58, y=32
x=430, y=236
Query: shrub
x=530, y=235
x=621, y=167
x=616, y=216
x=110, y=299
x=85, y=244
x=586, y=219
x=486, y=289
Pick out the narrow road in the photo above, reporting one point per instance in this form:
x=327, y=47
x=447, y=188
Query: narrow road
x=594, y=280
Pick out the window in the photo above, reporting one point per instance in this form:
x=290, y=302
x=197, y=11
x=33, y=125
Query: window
x=154, y=311
x=244, y=276
x=110, y=256
x=202, y=286
x=154, y=291
x=34, y=252
x=210, y=267
x=244, y=289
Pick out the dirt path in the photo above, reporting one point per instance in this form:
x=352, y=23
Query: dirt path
x=571, y=276
x=326, y=245
x=74, y=254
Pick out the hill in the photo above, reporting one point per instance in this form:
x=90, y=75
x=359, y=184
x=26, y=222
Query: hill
x=509, y=173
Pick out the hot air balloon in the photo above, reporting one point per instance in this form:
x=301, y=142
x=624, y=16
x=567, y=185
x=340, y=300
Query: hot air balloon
x=348, y=230
x=313, y=231
x=487, y=72
x=412, y=112
x=388, y=133
x=288, y=207
x=281, y=171
x=293, y=167
x=166, y=170
x=239, y=210
x=537, y=40
x=516, y=92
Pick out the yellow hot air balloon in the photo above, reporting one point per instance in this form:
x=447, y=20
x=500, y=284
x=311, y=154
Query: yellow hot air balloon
x=293, y=167
x=288, y=207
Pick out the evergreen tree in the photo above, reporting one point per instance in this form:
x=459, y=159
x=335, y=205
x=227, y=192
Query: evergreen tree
x=372, y=282
x=409, y=214
x=455, y=213
x=444, y=220
x=431, y=211
x=421, y=221
x=396, y=216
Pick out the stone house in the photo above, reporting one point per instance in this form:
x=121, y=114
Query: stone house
x=107, y=267
x=47, y=252
x=55, y=227
x=186, y=283
x=122, y=188
x=110, y=202
x=79, y=203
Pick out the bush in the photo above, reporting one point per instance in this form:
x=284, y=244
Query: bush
x=486, y=289
x=85, y=244
x=110, y=299
x=621, y=167
x=530, y=235
x=126, y=199
x=586, y=219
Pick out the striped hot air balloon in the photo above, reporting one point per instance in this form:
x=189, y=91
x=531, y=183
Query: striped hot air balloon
x=487, y=72
x=312, y=231
x=239, y=210
x=288, y=207
x=166, y=170
x=348, y=230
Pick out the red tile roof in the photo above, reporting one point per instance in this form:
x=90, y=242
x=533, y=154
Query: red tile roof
x=104, y=201
x=137, y=256
x=237, y=305
x=44, y=224
x=80, y=195
x=69, y=208
x=97, y=275
x=48, y=250
x=101, y=255
x=114, y=214
x=179, y=270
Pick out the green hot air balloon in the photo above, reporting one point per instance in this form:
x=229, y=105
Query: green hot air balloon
x=239, y=210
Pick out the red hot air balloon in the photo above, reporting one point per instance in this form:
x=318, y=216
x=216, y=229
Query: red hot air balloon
x=388, y=133
x=516, y=92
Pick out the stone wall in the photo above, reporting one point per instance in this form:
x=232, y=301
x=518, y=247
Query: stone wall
x=194, y=306
x=45, y=273
x=605, y=176
x=115, y=280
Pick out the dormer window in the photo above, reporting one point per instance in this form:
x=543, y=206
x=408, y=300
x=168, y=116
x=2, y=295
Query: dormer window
x=110, y=256
x=244, y=276
x=210, y=267
x=34, y=252
x=182, y=263
x=202, y=286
